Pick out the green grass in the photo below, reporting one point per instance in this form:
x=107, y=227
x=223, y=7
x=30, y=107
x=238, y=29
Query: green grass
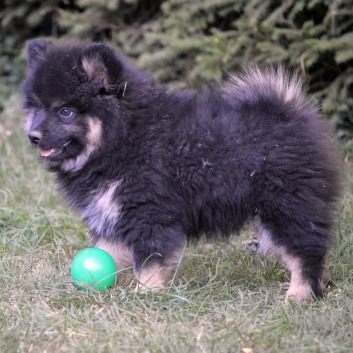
x=222, y=299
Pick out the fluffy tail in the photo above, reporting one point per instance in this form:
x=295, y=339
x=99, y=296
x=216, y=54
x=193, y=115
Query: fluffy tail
x=253, y=84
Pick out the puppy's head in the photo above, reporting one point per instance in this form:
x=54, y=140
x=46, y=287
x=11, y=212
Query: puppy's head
x=72, y=100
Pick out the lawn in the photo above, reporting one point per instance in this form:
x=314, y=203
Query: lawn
x=223, y=298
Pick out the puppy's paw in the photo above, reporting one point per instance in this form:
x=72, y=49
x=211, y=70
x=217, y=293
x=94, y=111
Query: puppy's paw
x=299, y=293
x=251, y=245
x=152, y=278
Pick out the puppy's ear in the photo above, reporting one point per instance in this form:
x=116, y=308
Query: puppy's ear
x=36, y=51
x=101, y=66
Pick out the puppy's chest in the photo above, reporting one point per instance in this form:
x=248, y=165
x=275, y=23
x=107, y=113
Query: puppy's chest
x=102, y=209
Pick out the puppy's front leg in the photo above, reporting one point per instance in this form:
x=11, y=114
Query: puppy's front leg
x=155, y=259
x=153, y=277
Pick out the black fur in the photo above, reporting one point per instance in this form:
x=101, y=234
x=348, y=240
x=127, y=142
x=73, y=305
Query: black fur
x=184, y=164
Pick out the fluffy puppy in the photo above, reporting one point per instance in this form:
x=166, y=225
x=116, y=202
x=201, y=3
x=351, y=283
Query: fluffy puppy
x=149, y=168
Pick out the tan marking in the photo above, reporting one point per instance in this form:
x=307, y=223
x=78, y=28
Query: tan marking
x=299, y=289
x=154, y=277
x=119, y=252
x=285, y=85
x=88, y=67
x=107, y=205
x=266, y=245
x=103, y=211
x=93, y=67
x=95, y=131
x=123, y=260
x=94, y=135
x=30, y=113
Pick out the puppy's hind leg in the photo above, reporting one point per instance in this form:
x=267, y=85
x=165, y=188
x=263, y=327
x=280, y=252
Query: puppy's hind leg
x=305, y=264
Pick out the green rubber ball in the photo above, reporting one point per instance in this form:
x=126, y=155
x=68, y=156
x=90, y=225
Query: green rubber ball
x=93, y=268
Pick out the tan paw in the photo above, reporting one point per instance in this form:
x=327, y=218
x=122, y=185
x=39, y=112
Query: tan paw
x=152, y=278
x=299, y=293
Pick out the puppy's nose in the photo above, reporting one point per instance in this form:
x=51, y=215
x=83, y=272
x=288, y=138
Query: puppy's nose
x=34, y=137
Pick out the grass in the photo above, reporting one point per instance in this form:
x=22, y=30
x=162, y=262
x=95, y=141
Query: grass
x=222, y=299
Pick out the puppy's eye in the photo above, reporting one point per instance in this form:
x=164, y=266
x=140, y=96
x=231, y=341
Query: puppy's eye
x=66, y=113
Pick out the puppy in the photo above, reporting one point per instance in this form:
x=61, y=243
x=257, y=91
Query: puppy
x=149, y=168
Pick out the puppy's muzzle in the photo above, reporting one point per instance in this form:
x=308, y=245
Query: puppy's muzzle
x=34, y=137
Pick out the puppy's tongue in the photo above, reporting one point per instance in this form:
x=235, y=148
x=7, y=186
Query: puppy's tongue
x=47, y=153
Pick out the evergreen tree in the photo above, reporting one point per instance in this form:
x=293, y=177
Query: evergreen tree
x=188, y=43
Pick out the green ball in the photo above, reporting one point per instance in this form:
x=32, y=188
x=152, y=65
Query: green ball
x=93, y=268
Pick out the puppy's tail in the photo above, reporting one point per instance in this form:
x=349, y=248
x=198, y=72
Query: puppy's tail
x=275, y=83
